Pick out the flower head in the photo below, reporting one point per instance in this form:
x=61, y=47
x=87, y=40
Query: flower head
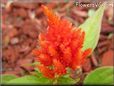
x=60, y=47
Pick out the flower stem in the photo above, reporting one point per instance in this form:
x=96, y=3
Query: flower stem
x=55, y=81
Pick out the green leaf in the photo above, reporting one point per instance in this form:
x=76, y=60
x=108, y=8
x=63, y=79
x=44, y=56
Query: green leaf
x=38, y=73
x=30, y=79
x=7, y=77
x=66, y=80
x=102, y=75
x=91, y=12
x=92, y=27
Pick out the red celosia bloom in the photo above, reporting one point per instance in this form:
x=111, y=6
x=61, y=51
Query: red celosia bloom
x=60, y=47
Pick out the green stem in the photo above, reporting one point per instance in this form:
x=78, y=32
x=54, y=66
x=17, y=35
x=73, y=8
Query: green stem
x=55, y=81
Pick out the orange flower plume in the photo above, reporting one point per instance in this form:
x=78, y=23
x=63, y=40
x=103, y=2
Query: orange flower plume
x=60, y=47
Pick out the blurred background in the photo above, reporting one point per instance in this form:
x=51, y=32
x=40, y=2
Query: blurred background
x=22, y=21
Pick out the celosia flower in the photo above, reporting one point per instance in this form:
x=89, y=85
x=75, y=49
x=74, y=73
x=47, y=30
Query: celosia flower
x=60, y=47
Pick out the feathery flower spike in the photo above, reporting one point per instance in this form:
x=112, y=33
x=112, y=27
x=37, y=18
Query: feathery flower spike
x=60, y=47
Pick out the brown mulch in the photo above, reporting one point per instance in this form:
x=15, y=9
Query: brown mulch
x=22, y=22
